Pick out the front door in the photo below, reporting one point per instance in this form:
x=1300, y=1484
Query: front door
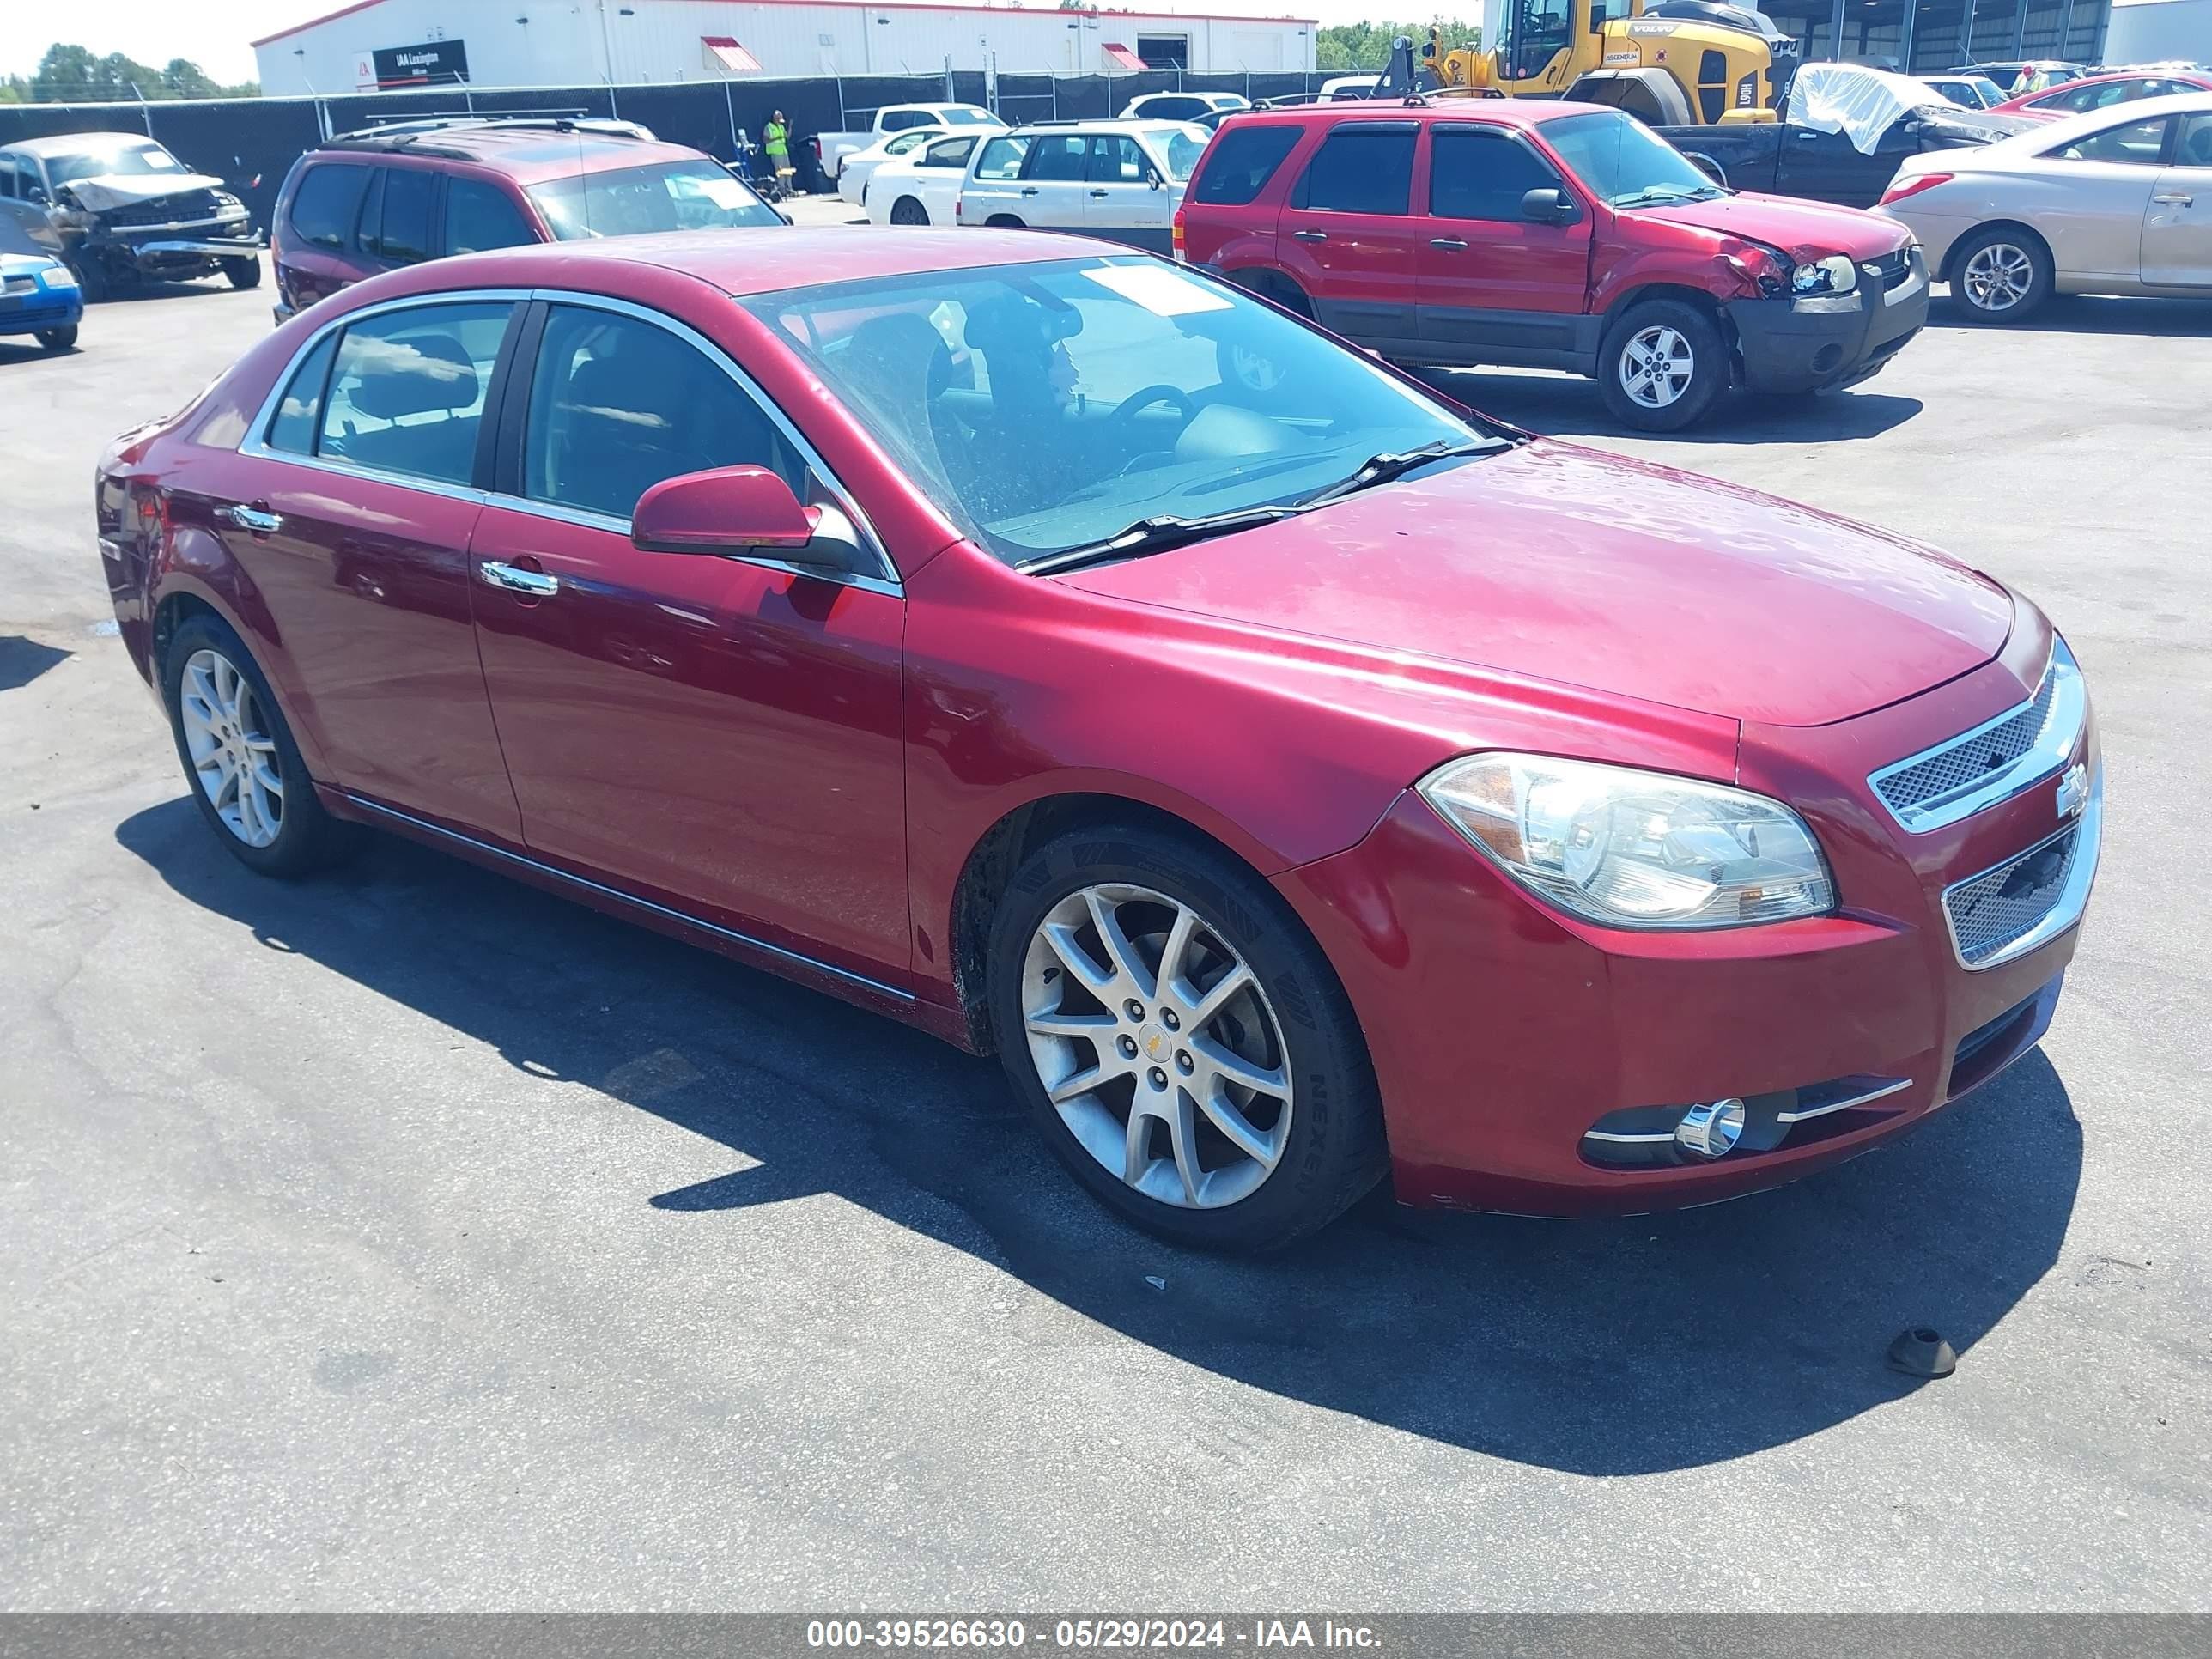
x=352, y=512
x=1826, y=167
x=2177, y=237
x=714, y=734
x=1348, y=234
x=1120, y=203
x=1496, y=287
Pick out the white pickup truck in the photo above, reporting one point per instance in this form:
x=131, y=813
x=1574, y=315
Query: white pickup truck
x=831, y=148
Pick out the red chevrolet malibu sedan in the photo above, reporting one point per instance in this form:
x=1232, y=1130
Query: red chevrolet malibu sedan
x=1293, y=786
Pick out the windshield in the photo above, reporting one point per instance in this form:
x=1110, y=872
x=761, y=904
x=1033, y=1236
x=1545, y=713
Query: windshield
x=1178, y=151
x=123, y=161
x=1621, y=161
x=637, y=201
x=1047, y=407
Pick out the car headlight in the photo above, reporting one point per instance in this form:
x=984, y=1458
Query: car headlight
x=1625, y=849
x=58, y=276
x=1834, y=275
x=226, y=205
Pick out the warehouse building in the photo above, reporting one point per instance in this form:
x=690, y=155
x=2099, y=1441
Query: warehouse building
x=521, y=43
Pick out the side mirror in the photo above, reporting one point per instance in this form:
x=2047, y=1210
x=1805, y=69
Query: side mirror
x=1549, y=207
x=738, y=510
x=1152, y=178
x=34, y=193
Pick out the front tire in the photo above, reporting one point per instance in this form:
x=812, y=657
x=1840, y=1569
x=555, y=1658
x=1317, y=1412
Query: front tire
x=907, y=211
x=2003, y=276
x=1662, y=365
x=241, y=763
x=92, y=280
x=242, y=273
x=58, y=339
x=1182, y=1041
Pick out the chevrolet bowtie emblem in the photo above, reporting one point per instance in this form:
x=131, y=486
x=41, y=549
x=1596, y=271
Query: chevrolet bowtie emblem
x=2073, y=791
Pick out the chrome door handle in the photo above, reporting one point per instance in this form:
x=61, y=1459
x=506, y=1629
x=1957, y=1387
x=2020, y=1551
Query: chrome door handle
x=1448, y=244
x=1029, y=189
x=515, y=579
x=2174, y=198
x=258, y=520
x=1097, y=195
x=1310, y=236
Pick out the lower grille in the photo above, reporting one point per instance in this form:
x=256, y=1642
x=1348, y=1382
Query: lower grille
x=186, y=207
x=2003, y=905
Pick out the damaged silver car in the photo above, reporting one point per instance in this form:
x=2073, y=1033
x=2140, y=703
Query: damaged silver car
x=126, y=210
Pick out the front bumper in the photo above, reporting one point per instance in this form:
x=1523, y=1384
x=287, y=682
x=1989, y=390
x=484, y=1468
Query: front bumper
x=1820, y=343
x=31, y=313
x=1503, y=1033
x=156, y=248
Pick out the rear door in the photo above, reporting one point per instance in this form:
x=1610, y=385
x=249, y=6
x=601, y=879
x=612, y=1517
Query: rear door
x=1347, y=233
x=1054, y=179
x=719, y=735
x=351, y=508
x=2177, y=239
x=1494, y=286
x=1223, y=206
x=993, y=186
x=938, y=171
x=1120, y=203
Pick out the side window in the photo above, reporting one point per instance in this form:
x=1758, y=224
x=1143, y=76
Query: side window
x=1002, y=159
x=7, y=176
x=1240, y=162
x=1116, y=160
x=404, y=233
x=1058, y=158
x=481, y=216
x=1475, y=173
x=949, y=153
x=327, y=203
x=407, y=390
x=904, y=143
x=300, y=414
x=1363, y=167
x=618, y=404
x=2139, y=144
x=2195, y=150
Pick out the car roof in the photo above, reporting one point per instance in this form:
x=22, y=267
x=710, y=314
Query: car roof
x=79, y=143
x=529, y=155
x=1521, y=113
x=741, y=263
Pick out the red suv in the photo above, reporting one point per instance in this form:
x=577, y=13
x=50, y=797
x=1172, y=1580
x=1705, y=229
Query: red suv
x=372, y=201
x=1550, y=235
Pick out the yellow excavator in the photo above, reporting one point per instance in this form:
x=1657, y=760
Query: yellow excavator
x=1672, y=63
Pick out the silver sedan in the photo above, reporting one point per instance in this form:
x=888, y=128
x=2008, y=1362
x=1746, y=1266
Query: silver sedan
x=2117, y=201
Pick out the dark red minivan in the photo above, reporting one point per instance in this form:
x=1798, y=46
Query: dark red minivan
x=393, y=196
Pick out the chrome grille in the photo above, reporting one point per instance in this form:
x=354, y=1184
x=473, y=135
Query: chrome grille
x=186, y=207
x=18, y=285
x=2001, y=906
x=1969, y=760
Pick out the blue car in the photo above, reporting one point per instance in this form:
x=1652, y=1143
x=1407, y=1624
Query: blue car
x=38, y=295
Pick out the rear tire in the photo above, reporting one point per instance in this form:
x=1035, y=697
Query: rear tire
x=2001, y=275
x=234, y=744
x=1662, y=365
x=242, y=273
x=1220, y=1162
x=907, y=211
x=58, y=339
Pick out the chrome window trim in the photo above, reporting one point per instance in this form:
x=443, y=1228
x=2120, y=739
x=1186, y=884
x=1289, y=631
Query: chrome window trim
x=2050, y=755
x=690, y=920
x=885, y=581
x=2073, y=898
x=884, y=578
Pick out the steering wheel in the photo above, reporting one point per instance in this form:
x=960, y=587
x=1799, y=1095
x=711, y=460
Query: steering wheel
x=1123, y=422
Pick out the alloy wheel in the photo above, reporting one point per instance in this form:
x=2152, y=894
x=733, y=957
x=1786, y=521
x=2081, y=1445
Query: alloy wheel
x=232, y=753
x=1156, y=1044
x=1999, y=276
x=1656, y=366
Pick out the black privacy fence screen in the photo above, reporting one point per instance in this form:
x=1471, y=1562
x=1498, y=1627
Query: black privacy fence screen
x=250, y=142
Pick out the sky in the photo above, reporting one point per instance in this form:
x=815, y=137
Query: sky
x=218, y=34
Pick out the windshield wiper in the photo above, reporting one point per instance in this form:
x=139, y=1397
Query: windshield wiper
x=1154, y=535
x=1396, y=464
x=1651, y=193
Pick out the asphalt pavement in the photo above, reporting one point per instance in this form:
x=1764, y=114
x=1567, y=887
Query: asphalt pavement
x=412, y=1240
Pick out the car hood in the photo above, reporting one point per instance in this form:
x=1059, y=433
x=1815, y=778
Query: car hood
x=106, y=193
x=1557, y=563
x=1798, y=227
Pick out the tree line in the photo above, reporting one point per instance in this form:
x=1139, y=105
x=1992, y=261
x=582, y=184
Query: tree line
x=77, y=74
x=1349, y=46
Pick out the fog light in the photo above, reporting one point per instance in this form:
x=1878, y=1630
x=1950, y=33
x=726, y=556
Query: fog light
x=1711, y=1129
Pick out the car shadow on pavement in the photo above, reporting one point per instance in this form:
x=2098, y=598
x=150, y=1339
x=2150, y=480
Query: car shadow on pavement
x=23, y=660
x=1567, y=406
x=2070, y=313
x=1608, y=1347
